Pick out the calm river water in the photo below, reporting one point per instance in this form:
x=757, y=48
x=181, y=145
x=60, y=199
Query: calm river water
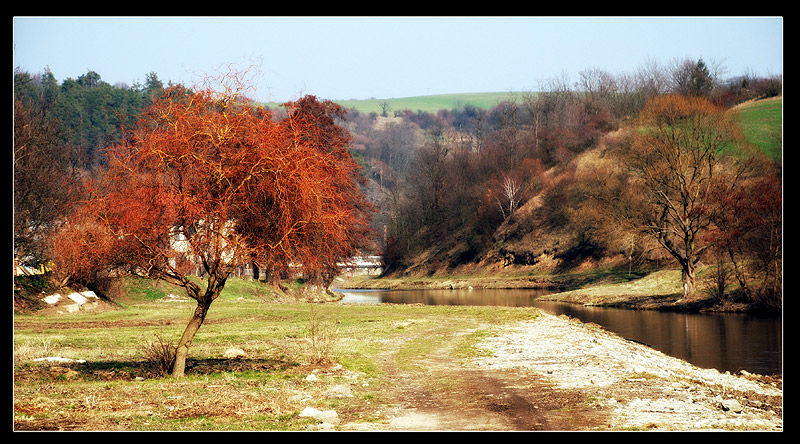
x=726, y=341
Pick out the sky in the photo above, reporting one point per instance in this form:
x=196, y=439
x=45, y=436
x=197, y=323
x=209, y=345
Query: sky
x=340, y=58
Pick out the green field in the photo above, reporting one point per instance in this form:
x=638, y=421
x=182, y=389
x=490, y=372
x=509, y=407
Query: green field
x=431, y=104
x=762, y=123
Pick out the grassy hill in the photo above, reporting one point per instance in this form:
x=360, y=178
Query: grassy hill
x=431, y=103
x=529, y=237
x=762, y=123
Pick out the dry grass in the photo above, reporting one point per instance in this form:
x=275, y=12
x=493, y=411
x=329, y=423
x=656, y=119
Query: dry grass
x=322, y=339
x=122, y=386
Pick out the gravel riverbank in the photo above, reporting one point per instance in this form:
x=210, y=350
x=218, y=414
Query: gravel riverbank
x=640, y=387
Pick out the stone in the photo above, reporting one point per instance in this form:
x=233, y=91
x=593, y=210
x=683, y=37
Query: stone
x=233, y=352
x=300, y=398
x=173, y=298
x=78, y=298
x=731, y=405
x=339, y=391
x=309, y=412
x=75, y=301
x=324, y=416
x=328, y=417
x=53, y=298
x=59, y=359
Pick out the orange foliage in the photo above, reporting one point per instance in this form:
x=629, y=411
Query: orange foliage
x=205, y=181
x=677, y=111
x=82, y=251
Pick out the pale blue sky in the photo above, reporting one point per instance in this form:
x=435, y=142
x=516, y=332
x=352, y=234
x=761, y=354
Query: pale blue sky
x=385, y=57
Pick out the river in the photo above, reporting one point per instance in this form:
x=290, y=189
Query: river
x=724, y=341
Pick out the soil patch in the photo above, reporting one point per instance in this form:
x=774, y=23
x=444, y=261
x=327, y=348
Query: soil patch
x=442, y=392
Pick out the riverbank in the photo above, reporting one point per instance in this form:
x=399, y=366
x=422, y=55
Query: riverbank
x=599, y=380
x=659, y=290
x=635, y=386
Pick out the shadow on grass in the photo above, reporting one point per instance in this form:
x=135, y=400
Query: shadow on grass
x=132, y=370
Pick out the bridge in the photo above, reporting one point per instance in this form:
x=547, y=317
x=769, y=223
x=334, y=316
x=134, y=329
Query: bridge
x=362, y=265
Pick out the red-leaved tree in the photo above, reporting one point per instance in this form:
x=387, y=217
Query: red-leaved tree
x=207, y=182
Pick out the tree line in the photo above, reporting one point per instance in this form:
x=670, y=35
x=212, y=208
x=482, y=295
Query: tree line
x=60, y=131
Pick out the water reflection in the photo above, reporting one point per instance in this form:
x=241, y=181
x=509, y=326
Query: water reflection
x=727, y=341
x=505, y=298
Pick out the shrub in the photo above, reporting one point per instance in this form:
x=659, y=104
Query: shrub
x=159, y=354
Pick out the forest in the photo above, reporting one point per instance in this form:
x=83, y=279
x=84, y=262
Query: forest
x=641, y=170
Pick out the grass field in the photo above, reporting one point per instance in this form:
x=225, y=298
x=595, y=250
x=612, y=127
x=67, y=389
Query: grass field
x=762, y=123
x=284, y=340
x=431, y=103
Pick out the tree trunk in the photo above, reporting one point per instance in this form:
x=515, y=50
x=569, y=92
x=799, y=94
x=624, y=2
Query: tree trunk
x=194, y=324
x=688, y=278
x=204, y=301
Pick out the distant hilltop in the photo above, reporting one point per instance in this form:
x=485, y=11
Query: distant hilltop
x=429, y=103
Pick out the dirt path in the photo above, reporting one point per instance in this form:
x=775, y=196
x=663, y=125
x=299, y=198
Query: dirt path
x=442, y=393
x=477, y=402
x=554, y=373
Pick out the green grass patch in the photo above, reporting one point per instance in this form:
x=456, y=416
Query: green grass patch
x=428, y=103
x=762, y=125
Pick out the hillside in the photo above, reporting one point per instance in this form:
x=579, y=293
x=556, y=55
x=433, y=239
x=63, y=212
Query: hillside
x=762, y=123
x=531, y=244
x=441, y=210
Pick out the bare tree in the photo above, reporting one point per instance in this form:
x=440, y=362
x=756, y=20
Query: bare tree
x=511, y=191
x=429, y=174
x=674, y=161
x=44, y=183
x=598, y=85
x=692, y=78
x=652, y=79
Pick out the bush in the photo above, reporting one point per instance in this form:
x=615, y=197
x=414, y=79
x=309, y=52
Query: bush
x=159, y=355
